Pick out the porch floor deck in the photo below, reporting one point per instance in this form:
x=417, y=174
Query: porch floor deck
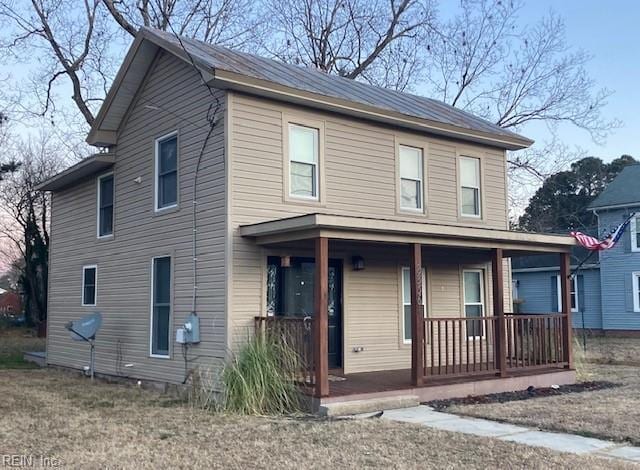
x=341, y=385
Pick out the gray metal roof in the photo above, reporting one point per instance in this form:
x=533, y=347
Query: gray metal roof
x=624, y=189
x=315, y=81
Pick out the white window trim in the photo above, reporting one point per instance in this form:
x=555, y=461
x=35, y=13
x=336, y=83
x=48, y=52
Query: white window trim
x=156, y=199
x=418, y=210
x=482, y=303
x=635, y=276
x=99, y=193
x=633, y=230
x=404, y=304
x=95, y=295
x=479, y=187
x=152, y=290
x=575, y=289
x=316, y=164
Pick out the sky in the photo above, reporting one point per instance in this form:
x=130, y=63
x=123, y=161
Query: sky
x=607, y=29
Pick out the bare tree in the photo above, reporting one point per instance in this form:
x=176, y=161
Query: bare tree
x=80, y=41
x=373, y=40
x=225, y=22
x=65, y=34
x=489, y=63
x=24, y=221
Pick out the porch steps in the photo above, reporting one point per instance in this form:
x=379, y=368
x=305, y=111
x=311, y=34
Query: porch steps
x=370, y=405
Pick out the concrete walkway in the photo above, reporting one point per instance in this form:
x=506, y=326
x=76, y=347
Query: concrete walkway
x=427, y=416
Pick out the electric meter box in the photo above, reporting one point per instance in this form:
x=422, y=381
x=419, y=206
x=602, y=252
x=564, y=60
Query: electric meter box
x=192, y=328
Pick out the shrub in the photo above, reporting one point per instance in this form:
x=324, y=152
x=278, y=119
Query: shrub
x=260, y=379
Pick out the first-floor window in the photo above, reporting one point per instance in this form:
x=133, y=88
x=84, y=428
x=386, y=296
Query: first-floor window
x=574, y=294
x=636, y=291
x=89, y=285
x=406, y=303
x=473, y=286
x=160, y=306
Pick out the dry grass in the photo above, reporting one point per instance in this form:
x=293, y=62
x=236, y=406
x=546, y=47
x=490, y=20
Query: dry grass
x=88, y=425
x=14, y=343
x=609, y=414
x=610, y=350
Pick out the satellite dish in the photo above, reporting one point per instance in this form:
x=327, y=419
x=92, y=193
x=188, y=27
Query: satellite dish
x=85, y=329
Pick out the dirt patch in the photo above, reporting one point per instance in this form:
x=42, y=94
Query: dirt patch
x=523, y=394
x=97, y=425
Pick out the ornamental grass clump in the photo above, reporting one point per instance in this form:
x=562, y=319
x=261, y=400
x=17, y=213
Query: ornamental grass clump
x=260, y=379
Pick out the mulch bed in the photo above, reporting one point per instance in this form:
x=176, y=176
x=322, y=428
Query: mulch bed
x=531, y=392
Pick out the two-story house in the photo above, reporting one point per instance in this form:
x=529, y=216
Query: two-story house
x=605, y=291
x=369, y=223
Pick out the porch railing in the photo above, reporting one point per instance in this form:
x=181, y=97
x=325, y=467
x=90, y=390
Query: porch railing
x=460, y=346
x=470, y=346
x=296, y=332
x=535, y=341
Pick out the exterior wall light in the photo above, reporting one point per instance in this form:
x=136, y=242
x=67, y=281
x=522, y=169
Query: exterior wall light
x=358, y=263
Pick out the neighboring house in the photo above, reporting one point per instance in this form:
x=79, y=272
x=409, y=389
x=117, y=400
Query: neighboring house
x=535, y=287
x=608, y=286
x=620, y=266
x=10, y=304
x=382, y=196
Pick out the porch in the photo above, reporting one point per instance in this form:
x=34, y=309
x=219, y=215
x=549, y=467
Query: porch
x=495, y=348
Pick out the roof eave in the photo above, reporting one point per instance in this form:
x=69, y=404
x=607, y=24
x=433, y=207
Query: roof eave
x=613, y=206
x=83, y=169
x=229, y=80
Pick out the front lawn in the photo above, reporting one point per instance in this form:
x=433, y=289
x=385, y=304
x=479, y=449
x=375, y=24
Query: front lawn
x=14, y=342
x=81, y=424
x=612, y=413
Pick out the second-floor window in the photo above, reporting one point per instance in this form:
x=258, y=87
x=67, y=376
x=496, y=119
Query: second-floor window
x=304, y=151
x=411, y=178
x=470, y=186
x=166, y=185
x=105, y=205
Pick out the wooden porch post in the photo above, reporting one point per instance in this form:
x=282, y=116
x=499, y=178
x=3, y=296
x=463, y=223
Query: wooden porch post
x=320, y=321
x=565, y=295
x=417, y=316
x=498, y=310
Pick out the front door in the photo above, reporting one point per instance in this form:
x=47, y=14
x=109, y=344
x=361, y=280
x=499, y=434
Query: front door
x=290, y=292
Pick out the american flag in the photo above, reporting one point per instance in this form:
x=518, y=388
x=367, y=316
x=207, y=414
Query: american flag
x=593, y=244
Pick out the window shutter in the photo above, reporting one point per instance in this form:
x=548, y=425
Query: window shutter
x=628, y=293
x=581, y=305
x=626, y=239
x=554, y=294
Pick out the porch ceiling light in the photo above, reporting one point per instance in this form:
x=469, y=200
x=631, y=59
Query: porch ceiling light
x=358, y=263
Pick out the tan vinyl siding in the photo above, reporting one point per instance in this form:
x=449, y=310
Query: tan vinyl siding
x=124, y=263
x=359, y=170
x=360, y=179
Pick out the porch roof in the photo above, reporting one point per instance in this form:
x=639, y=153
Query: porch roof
x=342, y=227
